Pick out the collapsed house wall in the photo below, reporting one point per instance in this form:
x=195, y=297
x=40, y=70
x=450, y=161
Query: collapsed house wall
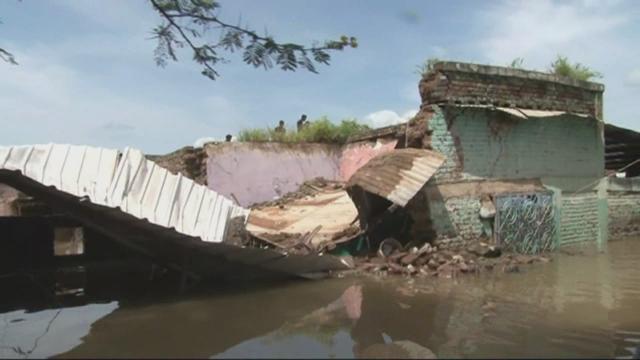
x=563, y=152
x=355, y=155
x=624, y=206
x=255, y=172
x=507, y=132
x=463, y=83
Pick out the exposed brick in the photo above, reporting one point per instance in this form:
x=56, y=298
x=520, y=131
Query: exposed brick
x=460, y=83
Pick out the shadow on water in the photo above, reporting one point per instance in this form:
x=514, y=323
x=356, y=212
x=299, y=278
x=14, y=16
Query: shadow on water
x=579, y=305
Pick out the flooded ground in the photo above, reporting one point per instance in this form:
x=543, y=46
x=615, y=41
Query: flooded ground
x=579, y=305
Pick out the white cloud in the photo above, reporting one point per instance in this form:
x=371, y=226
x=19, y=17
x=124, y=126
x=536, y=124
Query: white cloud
x=538, y=30
x=46, y=100
x=387, y=117
x=599, y=34
x=633, y=78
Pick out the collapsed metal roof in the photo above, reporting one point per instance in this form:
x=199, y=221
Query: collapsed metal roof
x=126, y=181
x=146, y=208
x=399, y=174
x=328, y=217
x=525, y=113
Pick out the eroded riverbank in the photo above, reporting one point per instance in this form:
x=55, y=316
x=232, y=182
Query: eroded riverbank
x=581, y=304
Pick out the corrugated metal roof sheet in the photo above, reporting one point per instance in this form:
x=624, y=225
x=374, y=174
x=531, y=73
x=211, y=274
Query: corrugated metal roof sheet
x=526, y=113
x=285, y=225
x=127, y=181
x=398, y=175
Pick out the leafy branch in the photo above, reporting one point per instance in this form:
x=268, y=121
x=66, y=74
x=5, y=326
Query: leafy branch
x=7, y=56
x=187, y=21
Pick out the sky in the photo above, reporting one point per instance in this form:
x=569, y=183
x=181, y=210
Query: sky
x=86, y=72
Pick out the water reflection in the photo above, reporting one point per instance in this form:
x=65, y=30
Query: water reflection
x=48, y=332
x=576, y=306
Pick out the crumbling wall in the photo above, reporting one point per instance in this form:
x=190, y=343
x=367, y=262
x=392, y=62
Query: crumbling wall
x=460, y=83
x=455, y=220
x=251, y=173
x=481, y=143
x=623, y=197
x=189, y=161
x=356, y=155
x=491, y=152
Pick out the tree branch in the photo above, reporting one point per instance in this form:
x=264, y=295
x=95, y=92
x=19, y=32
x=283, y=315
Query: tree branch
x=260, y=51
x=8, y=57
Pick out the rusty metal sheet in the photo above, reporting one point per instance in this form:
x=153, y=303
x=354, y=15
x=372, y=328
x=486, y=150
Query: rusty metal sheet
x=284, y=226
x=128, y=181
x=399, y=174
x=526, y=113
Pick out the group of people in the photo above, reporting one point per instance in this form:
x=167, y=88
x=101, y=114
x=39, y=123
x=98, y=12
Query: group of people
x=300, y=124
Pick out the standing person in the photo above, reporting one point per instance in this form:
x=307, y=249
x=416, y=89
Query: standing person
x=280, y=128
x=302, y=122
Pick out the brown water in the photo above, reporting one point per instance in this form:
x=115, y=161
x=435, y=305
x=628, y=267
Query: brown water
x=584, y=305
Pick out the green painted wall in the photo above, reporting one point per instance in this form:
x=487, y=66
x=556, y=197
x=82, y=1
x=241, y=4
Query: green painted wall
x=456, y=219
x=565, y=152
x=579, y=221
x=496, y=145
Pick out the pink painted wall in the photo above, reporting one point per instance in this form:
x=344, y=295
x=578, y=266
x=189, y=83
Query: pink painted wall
x=257, y=172
x=355, y=155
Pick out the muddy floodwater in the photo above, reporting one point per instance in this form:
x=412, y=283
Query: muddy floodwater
x=584, y=303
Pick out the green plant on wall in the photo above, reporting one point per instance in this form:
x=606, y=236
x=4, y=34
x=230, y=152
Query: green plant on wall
x=563, y=67
x=517, y=63
x=321, y=130
x=426, y=66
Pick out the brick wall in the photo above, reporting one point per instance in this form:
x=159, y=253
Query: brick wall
x=461, y=83
x=578, y=218
x=482, y=144
x=456, y=221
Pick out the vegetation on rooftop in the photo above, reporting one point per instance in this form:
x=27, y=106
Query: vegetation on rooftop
x=561, y=66
x=319, y=131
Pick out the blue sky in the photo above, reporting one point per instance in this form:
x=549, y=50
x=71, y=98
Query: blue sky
x=87, y=74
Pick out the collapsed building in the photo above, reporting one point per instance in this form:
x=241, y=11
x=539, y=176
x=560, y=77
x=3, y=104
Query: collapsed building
x=501, y=156
x=523, y=164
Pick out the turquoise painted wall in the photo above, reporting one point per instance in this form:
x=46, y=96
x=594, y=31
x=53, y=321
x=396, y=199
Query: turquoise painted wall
x=496, y=145
x=565, y=152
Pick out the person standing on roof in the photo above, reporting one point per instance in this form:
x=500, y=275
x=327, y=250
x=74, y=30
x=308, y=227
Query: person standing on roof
x=302, y=122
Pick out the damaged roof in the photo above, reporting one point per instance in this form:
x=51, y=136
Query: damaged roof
x=399, y=174
x=318, y=220
x=526, y=113
x=128, y=181
x=146, y=208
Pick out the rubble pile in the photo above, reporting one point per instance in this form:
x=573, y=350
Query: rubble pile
x=189, y=161
x=431, y=261
x=308, y=188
